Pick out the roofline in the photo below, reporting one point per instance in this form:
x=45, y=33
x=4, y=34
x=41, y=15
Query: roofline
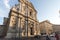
x=46, y=21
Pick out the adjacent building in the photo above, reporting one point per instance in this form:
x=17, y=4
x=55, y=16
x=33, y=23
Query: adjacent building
x=4, y=28
x=56, y=28
x=46, y=28
x=2, y=31
x=5, y=21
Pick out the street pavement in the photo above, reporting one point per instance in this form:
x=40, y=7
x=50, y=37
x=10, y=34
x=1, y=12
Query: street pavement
x=30, y=38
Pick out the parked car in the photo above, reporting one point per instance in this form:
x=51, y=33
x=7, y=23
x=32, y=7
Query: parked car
x=37, y=36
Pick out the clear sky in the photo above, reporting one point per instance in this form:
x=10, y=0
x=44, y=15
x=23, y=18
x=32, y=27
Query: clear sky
x=46, y=9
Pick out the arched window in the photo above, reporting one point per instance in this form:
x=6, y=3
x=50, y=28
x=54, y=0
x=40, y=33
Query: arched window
x=31, y=13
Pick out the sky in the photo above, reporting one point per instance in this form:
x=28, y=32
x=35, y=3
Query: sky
x=46, y=9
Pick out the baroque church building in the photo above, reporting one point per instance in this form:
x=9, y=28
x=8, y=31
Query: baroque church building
x=23, y=20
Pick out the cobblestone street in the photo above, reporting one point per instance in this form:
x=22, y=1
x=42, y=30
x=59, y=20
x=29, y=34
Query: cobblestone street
x=30, y=38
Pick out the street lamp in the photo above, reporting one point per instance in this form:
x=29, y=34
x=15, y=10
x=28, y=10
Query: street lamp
x=26, y=19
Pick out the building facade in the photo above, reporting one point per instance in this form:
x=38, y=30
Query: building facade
x=23, y=20
x=46, y=27
x=56, y=28
x=2, y=31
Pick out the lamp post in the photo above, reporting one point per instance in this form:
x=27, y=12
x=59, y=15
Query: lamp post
x=18, y=22
x=27, y=20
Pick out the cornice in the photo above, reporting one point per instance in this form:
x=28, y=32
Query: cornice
x=23, y=15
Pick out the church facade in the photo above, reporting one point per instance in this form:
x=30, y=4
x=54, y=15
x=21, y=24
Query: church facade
x=23, y=20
